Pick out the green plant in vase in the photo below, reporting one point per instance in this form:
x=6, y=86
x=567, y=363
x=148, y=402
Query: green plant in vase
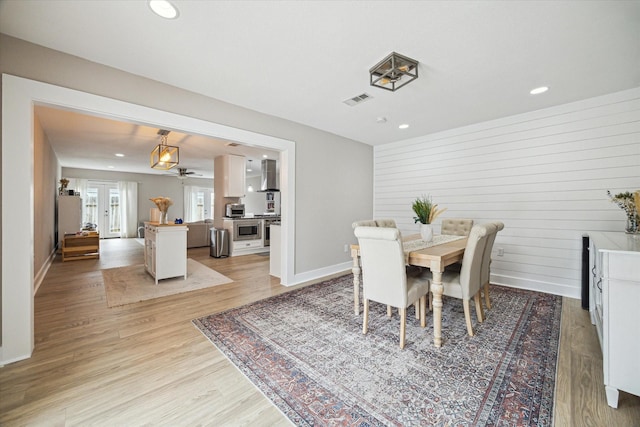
x=629, y=203
x=426, y=212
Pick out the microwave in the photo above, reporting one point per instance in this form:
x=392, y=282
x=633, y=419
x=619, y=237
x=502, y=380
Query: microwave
x=247, y=230
x=234, y=210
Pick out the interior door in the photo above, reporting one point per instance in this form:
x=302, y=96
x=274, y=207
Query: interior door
x=102, y=208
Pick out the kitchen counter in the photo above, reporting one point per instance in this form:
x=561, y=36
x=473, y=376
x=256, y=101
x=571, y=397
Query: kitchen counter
x=245, y=245
x=271, y=217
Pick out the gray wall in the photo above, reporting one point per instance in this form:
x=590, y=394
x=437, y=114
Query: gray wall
x=317, y=248
x=148, y=186
x=46, y=174
x=332, y=197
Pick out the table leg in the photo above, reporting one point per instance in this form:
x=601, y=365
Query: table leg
x=356, y=285
x=436, y=290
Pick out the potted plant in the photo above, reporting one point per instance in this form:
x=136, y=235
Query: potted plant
x=426, y=212
x=628, y=202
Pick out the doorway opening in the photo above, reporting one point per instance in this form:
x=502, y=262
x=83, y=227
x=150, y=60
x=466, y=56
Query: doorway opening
x=19, y=95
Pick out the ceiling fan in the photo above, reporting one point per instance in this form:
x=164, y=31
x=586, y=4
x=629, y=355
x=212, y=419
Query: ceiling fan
x=183, y=173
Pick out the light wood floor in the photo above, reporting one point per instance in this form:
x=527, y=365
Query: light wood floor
x=145, y=363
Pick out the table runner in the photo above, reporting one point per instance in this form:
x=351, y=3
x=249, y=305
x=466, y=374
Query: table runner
x=416, y=245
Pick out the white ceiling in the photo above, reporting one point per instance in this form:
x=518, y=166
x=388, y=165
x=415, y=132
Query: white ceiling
x=89, y=142
x=300, y=59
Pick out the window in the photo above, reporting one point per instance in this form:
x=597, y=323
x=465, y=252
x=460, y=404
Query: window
x=200, y=202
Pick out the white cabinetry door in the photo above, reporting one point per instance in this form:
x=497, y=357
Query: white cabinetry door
x=234, y=172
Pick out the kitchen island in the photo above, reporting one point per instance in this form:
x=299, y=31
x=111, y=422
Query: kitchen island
x=165, y=250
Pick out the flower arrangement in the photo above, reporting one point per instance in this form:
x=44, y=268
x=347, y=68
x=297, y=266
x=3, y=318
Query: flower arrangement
x=425, y=210
x=63, y=185
x=629, y=203
x=163, y=204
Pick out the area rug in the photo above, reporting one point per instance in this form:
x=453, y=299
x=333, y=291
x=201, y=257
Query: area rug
x=126, y=285
x=306, y=352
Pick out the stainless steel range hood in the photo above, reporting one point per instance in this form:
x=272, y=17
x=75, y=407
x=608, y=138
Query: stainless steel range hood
x=269, y=180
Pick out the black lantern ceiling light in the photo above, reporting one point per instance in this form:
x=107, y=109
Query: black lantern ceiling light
x=393, y=72
x=164, y=156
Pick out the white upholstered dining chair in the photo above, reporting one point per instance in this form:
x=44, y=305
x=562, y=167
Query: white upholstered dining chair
x=485, y=273
x=386, y=223
x=384, y=276
x=364, y=223
x=467, y=283
x=456, y=226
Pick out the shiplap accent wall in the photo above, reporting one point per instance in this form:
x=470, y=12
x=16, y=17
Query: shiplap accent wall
x=544, y=174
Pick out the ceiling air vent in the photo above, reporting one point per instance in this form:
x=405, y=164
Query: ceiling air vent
x=357, y=99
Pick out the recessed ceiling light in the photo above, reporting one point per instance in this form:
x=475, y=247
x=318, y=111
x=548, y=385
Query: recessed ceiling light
x=539, y=90
x=119, y=155
x=265, y=156
x=403, y=126
x=111, y=167
x=381, y=120
x=163, y=8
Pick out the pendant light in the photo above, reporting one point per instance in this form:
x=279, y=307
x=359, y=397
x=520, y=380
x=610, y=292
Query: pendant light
x=164, y=156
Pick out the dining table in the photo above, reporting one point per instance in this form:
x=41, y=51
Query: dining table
x=444, y=250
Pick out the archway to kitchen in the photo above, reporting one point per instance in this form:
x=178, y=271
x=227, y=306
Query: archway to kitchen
x=19, y=97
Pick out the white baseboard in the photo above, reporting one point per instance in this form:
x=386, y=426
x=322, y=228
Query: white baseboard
x=509, y=281
x=535, y=285
x=321, y=273
x=39, y=277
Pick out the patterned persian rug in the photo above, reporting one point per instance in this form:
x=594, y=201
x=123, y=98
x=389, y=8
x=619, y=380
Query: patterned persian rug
x=306, y=352
x=126, y=285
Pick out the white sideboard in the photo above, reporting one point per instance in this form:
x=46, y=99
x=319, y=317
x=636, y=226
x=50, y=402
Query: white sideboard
x=614, y=306
x=165, y=250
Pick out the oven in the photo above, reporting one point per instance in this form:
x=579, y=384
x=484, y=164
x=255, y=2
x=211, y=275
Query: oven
x=247, y=230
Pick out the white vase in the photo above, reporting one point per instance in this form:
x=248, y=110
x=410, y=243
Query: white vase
x=426, y=232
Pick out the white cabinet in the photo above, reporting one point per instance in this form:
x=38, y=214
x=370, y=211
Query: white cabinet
x=165, y=250
x=232, y=170
x=245, y=242
x=69, y=216
x=614, y=301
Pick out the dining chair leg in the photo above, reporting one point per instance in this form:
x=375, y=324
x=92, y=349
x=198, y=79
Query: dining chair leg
x=479, y=310
x=467, y=316
x=430, y=301
x=388, y=311
x=365, y=316
x=487, y=301
x=423, y=311
x=403, y=325
x=417, y=306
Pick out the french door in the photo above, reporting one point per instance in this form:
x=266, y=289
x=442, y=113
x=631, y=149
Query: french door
x=102, y=208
